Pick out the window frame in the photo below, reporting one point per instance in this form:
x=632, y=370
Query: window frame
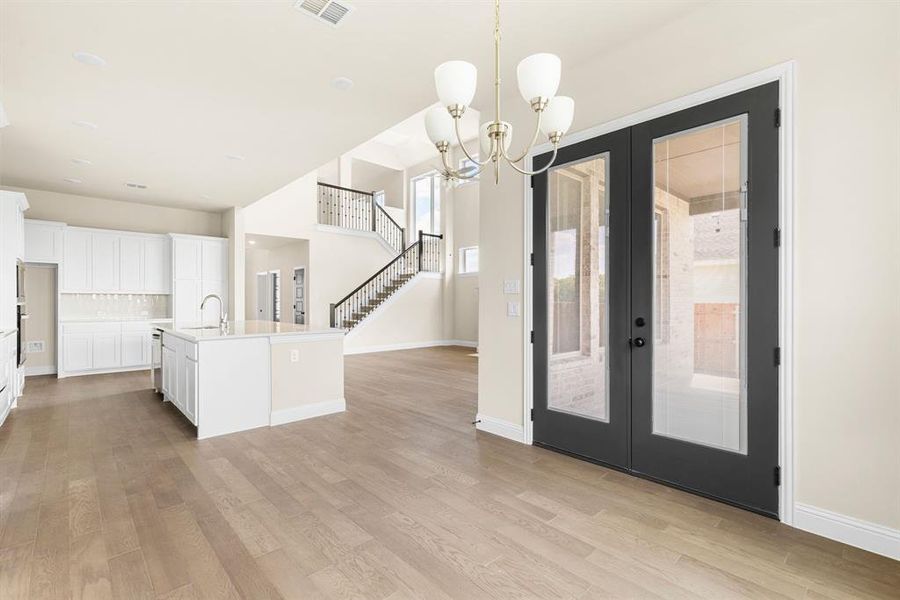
x=461, y=269
x=435, y=179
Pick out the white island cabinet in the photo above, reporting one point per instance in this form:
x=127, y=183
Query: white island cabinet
x=254, y=374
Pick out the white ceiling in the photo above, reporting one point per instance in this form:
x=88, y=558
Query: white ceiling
x=187, y=83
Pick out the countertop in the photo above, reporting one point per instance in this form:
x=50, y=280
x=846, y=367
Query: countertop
x=246, y=329
x=117, y=320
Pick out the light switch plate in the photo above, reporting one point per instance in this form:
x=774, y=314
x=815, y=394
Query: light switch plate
x=512, y=309
x=34, y=347
x=511, y=286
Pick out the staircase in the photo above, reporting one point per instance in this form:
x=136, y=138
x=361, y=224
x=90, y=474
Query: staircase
x=353, y=209
x=423, y=255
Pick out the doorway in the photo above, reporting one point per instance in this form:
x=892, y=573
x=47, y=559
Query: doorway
x=656, y=300
x=268, y=296
x=300, y=295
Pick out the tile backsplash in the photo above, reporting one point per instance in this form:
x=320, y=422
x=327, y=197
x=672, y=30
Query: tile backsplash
x=113, y=306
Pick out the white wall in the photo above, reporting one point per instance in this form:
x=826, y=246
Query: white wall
x=847, y=278
x=465, y=201
x=85, y=211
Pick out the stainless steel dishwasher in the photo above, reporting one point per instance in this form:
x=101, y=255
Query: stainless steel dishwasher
x=156, y=360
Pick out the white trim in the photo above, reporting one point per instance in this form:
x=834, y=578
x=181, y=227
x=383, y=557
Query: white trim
x=785, y=74
x=65, y=374
x=40, y=370
x=849, y=530
x=409, y=346
x=307, y=411
x=6, y=412
x=510, y=431
x=468, y=274
x=358, y=233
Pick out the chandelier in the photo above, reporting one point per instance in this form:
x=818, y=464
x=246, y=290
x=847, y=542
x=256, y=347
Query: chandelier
x=538, y=76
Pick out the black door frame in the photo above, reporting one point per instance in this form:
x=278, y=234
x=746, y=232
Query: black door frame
x=781, y=442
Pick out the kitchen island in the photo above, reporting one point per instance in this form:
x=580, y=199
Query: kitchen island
x=252, y=374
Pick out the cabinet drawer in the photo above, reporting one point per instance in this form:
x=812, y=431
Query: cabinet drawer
x=94, y=327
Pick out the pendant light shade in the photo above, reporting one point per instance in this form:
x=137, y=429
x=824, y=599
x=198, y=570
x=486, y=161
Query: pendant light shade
x=455, y=81
x=538, y=76
x=558, y=115
x=438, y=125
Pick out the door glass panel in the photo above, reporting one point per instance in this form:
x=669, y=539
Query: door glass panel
x=699, y=290
x=578, y=318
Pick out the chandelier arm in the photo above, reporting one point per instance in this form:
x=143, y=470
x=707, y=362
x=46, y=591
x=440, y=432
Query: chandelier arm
x=463, y=146
x=456, y=174
x=539, y=171
x=537, y=131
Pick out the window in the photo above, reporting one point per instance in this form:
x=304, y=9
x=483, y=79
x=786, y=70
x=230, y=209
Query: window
x=468, y=260
x=379, y=198
x=426, y=192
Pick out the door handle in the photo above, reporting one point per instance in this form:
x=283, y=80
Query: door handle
x=639, y=342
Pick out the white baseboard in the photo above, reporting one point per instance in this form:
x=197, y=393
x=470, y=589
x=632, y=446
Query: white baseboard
x=409, y=346
x=849, y=530
x=40, y=370
x=307, y=411
x=4, y=413
x=64, y=374
x=500, y=427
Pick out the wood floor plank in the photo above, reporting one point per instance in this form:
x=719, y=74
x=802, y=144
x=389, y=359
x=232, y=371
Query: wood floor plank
x=105, y=492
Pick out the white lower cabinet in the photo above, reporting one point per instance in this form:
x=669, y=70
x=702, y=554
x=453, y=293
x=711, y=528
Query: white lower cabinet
x=77, y=351
x=104, y=346
x=180, y=375
x=134, y=346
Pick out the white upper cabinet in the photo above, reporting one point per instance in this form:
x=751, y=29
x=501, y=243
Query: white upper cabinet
x=105, y=262
x=112, y=261
x=76, y=266
x=44, y=241
x=157, y=266
x=188, y=263
x=214, y=257
x=131, y=264
x=200, y=268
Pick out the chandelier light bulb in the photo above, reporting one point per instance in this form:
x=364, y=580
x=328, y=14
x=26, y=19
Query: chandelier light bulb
x=558, y=115
x=438, y=125
x=538, y=76
x=455, y=81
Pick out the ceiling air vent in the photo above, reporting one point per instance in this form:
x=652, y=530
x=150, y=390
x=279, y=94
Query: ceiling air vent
x=328, y=11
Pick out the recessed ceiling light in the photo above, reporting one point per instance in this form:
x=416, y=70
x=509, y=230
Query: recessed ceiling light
x=72, y=180
x=343, y=84
x=85, y=124
x=235, y=157
x=81, y=161
x=89, y=59
x=251, y=242
x=137, y=186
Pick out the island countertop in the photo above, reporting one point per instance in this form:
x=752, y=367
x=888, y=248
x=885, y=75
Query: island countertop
x=245, y=329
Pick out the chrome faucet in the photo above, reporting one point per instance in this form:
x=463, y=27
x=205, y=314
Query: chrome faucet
x=223, y=316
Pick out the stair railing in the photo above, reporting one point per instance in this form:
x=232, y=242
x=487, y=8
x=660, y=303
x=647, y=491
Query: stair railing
x=422, y=255
x=355, y=209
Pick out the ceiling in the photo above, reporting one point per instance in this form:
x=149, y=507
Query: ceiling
x=188, y=83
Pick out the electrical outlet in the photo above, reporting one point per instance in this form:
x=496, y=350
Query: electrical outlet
x=295, y=355
x=34, y=347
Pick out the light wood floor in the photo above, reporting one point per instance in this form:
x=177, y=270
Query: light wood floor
x=104, y=494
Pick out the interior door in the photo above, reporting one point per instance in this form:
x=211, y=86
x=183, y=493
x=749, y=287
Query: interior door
x=705, y=281
x=263, y=297
x=581, y=361
x=656, y=322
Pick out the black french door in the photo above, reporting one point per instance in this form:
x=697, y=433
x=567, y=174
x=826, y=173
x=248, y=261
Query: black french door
x=656, y=299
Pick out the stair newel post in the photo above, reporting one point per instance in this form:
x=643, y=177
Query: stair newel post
x=331, y=313
x=421, y=246
x=374, y=228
